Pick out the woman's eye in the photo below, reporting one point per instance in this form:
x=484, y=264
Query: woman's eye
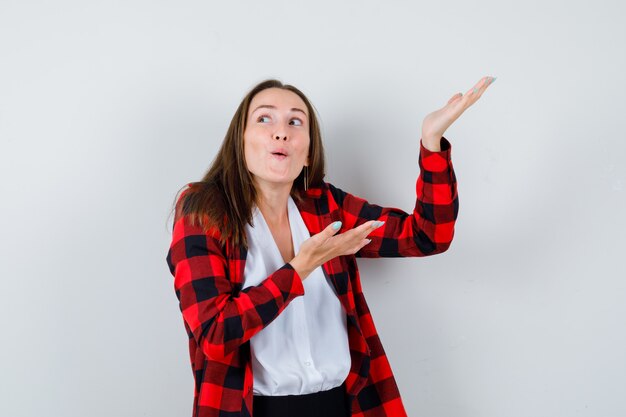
x=299, y=122
x=261, y=118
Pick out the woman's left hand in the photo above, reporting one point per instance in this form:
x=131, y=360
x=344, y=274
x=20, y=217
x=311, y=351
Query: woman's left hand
x=437, y=122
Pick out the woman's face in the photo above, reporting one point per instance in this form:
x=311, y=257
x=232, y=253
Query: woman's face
x=278, y=123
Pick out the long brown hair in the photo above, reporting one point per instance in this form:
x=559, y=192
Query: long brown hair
x=224, y=197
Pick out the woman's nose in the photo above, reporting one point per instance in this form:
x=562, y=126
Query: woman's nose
x=280, y=131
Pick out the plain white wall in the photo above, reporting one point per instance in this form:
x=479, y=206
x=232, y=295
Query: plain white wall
x=108, y=108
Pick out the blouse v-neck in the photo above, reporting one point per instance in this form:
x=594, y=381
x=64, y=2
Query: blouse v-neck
x=261, y=219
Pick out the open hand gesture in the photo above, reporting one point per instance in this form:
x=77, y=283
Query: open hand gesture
x=327, y=245
x=437, y=122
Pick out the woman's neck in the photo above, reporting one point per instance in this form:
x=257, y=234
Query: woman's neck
x=272, y=201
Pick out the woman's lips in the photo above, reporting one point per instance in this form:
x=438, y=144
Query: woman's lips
x=279, y=156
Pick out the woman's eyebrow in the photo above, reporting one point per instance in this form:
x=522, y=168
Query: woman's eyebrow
x=269, y=106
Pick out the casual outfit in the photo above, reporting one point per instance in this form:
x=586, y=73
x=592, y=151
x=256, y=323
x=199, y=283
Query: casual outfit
x=263, y=342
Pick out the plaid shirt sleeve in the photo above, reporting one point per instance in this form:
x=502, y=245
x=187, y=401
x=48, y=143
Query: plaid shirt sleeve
x=428, y=230
x=220, y=315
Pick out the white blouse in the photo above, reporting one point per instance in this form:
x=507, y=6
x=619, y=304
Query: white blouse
x=305, y=349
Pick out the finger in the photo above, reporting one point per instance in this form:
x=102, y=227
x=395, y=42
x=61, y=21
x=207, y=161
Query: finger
x=327, y=233
x=475, y=92
x=480, y=87
x=368, y=227
x=357, y=247
x=332, y=228
x=455, y=97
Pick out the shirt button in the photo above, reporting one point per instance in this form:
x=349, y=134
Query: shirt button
x=307, y=363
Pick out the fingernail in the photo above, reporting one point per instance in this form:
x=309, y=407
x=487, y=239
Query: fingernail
x=474, y=89
x=336, y=225
x=491, y=80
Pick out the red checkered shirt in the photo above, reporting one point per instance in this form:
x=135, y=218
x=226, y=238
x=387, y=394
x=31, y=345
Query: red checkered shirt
x=220, y=317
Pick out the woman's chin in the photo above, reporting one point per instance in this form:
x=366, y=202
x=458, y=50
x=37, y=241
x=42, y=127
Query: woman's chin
x=277, y=181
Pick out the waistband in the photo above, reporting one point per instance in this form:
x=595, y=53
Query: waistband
x=331, y=399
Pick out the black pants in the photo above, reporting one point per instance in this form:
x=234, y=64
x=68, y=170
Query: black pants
x=331, y=403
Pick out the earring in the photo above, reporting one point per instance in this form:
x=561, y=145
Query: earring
x=306, y=177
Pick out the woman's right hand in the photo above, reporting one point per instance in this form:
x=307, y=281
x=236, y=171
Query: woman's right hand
x=326, y=245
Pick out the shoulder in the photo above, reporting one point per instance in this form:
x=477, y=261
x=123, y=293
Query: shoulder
x=323, y=189
x=189, y=220
x=317, y=191
x=327, y=194
x=190, y=191
x=333, y=192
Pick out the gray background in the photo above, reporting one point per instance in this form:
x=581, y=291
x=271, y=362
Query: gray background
x=108, y=108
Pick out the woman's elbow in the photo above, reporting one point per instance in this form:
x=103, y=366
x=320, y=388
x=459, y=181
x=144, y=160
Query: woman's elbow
x=216, y=352
x=217, y=349
x=443, y=236
x=442, y=247
x=429, y=247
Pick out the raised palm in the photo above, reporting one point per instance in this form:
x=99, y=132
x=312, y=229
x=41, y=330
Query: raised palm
x=436, y=123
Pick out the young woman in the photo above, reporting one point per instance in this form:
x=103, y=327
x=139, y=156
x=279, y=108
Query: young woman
x=263, y=255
